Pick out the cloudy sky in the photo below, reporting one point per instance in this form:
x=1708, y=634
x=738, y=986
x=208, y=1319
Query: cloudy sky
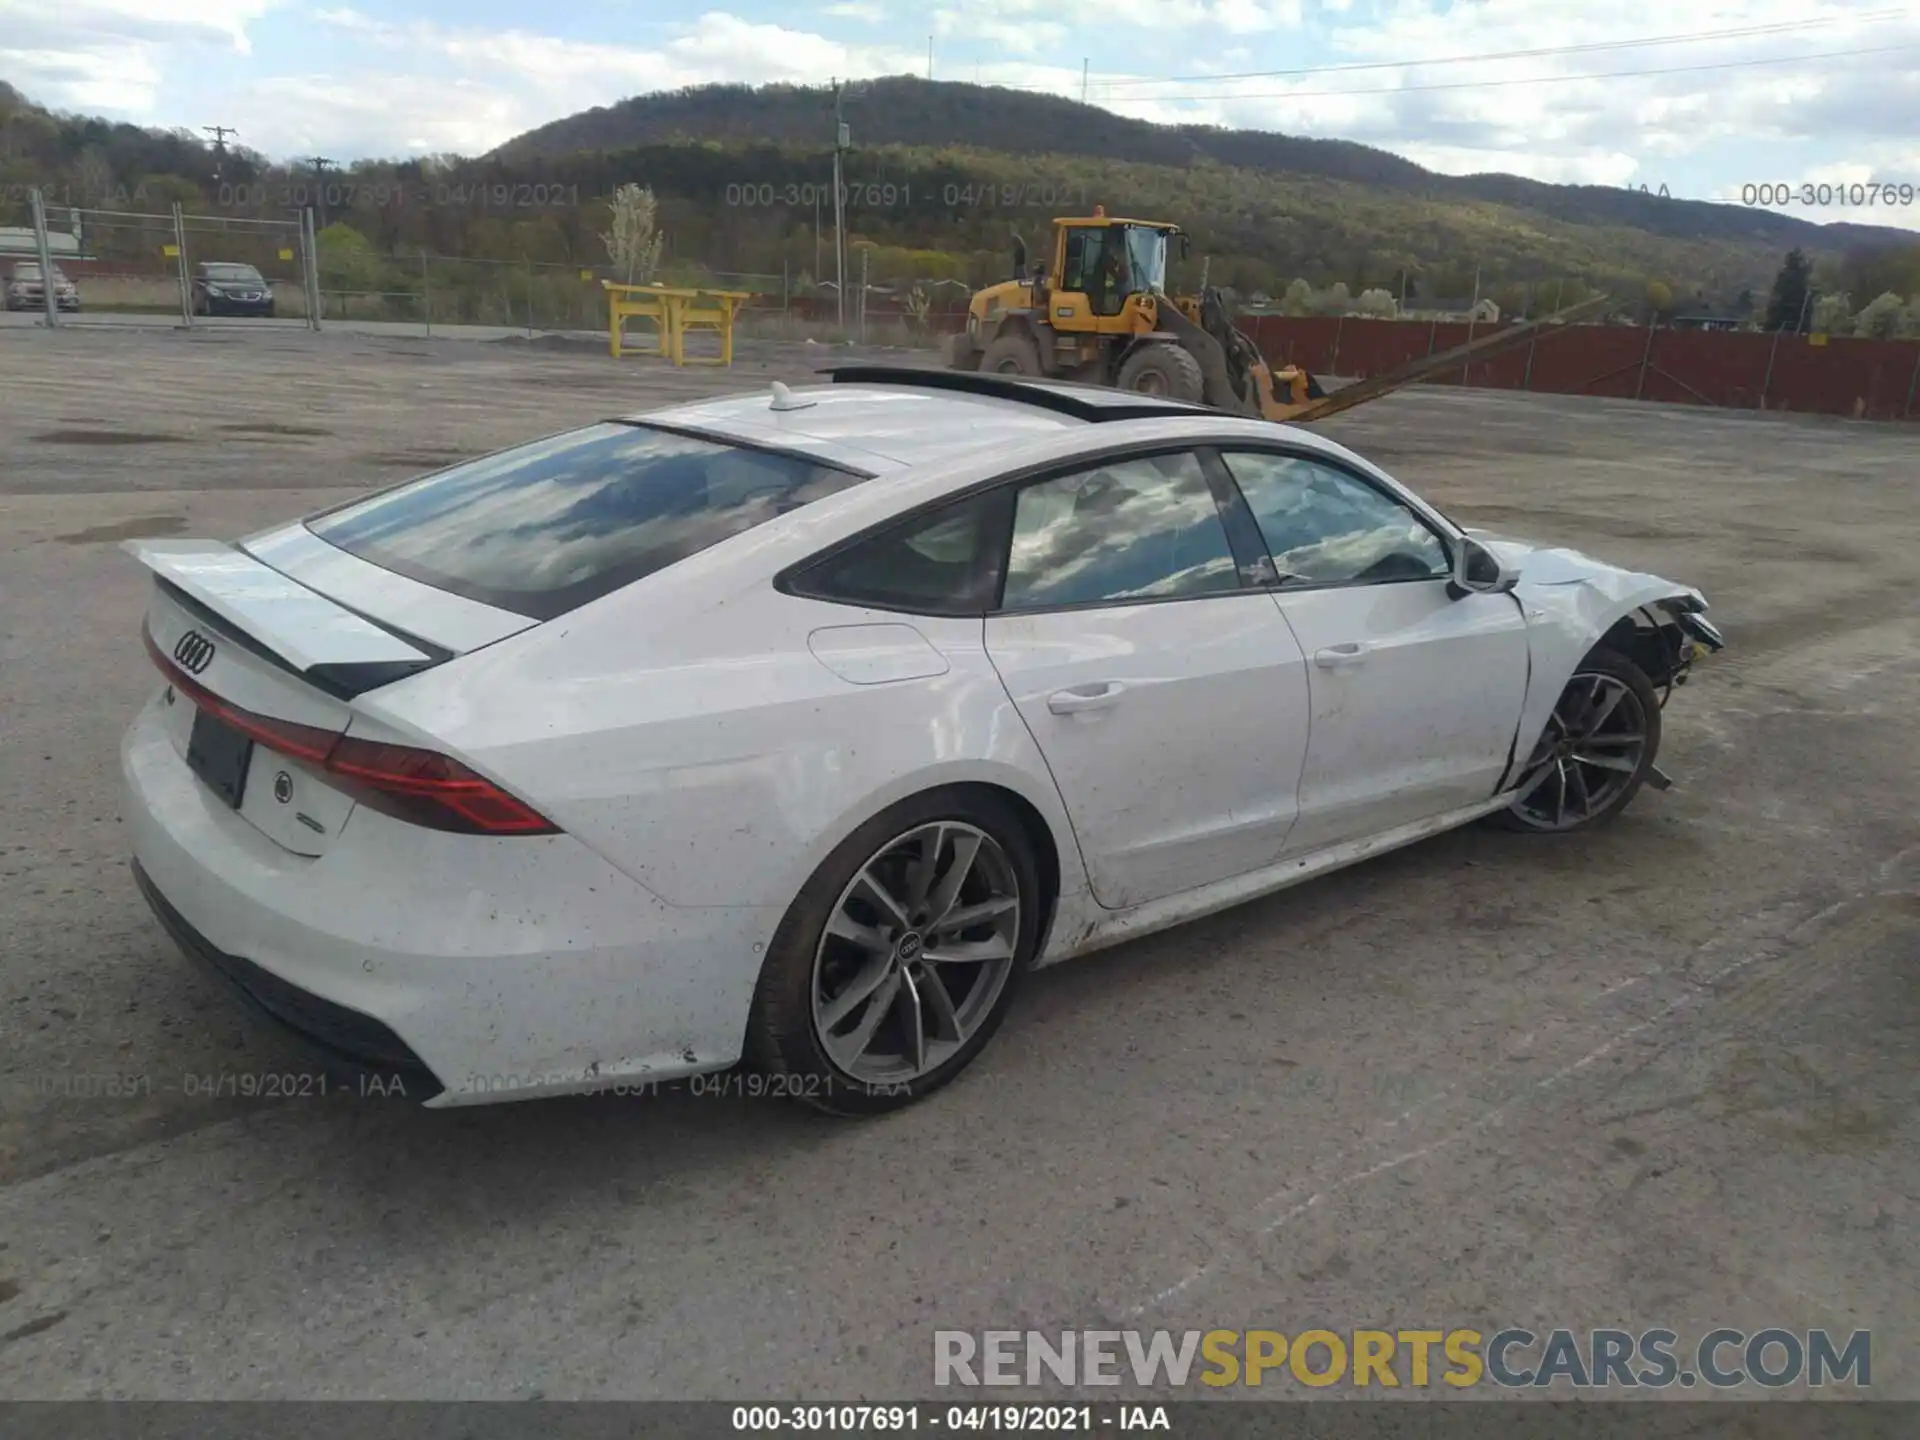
x=1703, y=97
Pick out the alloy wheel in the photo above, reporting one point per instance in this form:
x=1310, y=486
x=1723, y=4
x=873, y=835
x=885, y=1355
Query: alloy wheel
x=1590, y=752
x=918, y=948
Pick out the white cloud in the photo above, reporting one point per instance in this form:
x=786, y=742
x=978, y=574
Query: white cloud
x=112, y=55
x=414, y=85
x=486, y=86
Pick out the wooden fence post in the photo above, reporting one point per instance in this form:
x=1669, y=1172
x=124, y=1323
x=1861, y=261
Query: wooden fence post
x=1767, y=379
x=1640, y=385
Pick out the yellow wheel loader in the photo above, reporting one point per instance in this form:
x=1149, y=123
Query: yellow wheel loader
x=1097, y=313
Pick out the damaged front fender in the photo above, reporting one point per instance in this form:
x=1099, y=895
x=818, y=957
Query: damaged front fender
x=1573, y=603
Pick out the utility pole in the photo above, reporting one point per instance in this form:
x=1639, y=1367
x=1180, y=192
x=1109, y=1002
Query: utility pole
x=929, y=57
x=220, y=134
x=840, y=141
x=1083, y=81
x=320, y=164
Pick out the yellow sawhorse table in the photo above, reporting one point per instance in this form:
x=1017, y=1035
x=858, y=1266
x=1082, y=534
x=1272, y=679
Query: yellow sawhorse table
x=675, y=311
x=641, y=302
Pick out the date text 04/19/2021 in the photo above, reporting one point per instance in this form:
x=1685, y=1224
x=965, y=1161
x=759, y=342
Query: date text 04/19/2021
x=1011, y=1419
x=886, y=195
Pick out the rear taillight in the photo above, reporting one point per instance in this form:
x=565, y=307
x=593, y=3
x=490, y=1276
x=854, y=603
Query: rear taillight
x=431, y=789
x=422, y=787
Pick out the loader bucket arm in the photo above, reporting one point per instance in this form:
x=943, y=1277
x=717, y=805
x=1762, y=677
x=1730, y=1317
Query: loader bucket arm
x=1422, y=368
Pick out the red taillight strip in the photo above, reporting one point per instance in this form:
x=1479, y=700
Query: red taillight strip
x=421, y=786
x=301, y=742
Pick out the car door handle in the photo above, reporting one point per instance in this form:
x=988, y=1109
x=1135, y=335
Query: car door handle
x=1085, y=697
x=1336, y=657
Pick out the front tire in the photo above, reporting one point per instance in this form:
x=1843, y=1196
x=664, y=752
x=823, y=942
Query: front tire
x=1163, y=370
x=901, y=955
x=1593, y=754
x=1011, y=355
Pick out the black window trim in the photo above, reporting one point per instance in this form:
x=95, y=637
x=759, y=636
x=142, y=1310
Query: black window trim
x=789, y=580
x=794, y=579
x=1278, y=583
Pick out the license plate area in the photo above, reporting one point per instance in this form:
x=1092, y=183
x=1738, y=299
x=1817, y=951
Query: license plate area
x=219, y=755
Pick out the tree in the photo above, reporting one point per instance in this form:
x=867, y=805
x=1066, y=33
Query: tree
x=1833, y=314
x=346, y=259
x=1883, y=318
x=1659, y=297
x=1299, y=298
x=1376, y=304
x=634, y=243
x=1336, y=300
x=1785, y=306
x=93, y=177
x=1743, y=303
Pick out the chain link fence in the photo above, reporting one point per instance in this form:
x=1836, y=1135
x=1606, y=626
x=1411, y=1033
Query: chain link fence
x=196, y=269
x=239, y=270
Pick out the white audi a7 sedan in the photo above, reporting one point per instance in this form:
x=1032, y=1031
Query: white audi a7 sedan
x=795, y=727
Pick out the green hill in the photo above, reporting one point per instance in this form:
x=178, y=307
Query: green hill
x=914, y=113
x=742, y=177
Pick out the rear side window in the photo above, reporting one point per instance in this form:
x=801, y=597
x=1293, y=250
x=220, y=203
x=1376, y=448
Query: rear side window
x=544, y=527
x=943, y=563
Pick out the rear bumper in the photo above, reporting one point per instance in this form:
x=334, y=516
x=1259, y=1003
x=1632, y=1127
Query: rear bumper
x=350, y=1044
x=502, y=968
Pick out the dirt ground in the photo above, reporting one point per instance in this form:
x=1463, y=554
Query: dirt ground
x=1660, y=1075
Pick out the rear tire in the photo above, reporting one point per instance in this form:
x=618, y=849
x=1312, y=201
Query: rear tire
x=836, y=1011
x=1011, y=355
x=1587, y=766
x=1163, y=370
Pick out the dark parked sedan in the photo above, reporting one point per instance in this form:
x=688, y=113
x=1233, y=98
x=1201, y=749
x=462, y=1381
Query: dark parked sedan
x=222, y=288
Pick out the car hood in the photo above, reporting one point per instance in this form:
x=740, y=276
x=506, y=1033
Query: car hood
x=1553, y=565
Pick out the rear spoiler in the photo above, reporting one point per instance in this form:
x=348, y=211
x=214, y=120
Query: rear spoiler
x=340, y=650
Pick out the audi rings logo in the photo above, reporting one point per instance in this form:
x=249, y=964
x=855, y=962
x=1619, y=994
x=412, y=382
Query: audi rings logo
x=194, y=651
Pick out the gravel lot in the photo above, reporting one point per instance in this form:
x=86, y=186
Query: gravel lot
x=1662, y=1075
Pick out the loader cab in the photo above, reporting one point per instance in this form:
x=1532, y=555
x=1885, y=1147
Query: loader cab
x=1100, y=264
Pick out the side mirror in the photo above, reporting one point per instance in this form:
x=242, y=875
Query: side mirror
x=1478, y=571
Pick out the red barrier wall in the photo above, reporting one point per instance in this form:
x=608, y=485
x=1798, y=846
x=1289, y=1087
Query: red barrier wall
x=1875, y=378
x=1736, y=369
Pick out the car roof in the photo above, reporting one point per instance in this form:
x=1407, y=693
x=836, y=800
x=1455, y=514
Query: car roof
x=873, y=428
x=881, y=419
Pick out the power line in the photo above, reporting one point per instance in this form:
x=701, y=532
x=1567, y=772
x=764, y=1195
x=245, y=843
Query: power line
x=1693, y=37
x=1539, y=52
x=1521, y=79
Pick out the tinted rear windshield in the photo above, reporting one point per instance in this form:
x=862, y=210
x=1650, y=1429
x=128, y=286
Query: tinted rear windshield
x=544, y=527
